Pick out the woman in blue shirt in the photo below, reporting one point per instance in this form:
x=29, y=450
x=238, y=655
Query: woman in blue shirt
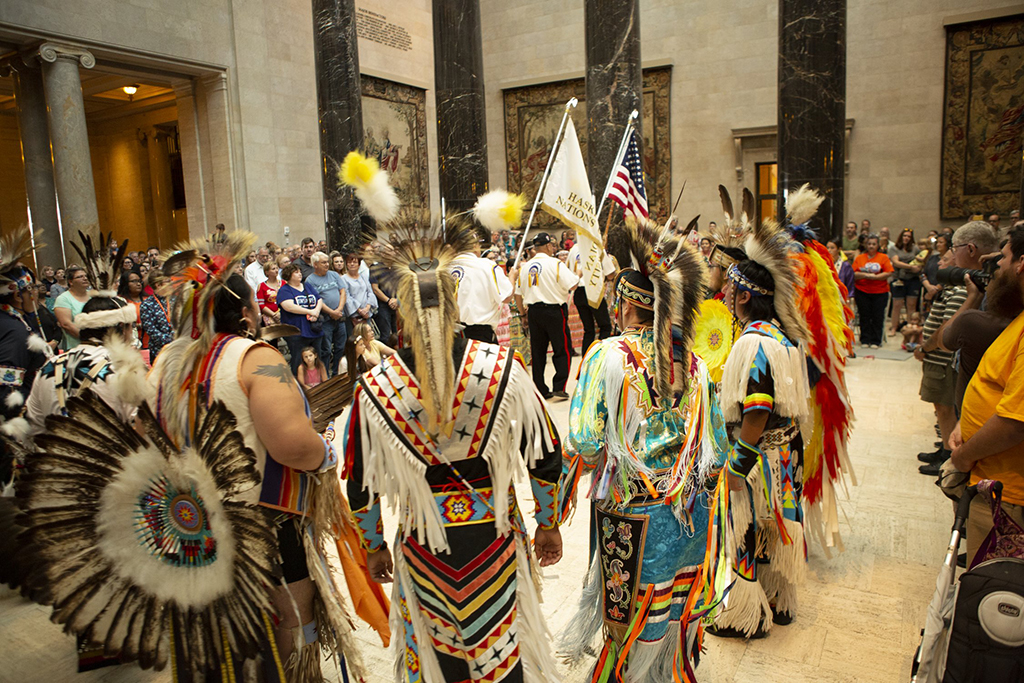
x=300, y=306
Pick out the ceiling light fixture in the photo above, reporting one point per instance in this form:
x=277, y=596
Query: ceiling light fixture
x=130, y=91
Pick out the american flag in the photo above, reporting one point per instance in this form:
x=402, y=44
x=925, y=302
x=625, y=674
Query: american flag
x=627, y=189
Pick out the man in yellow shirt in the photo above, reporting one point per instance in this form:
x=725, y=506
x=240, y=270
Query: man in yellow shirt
x=989, y=441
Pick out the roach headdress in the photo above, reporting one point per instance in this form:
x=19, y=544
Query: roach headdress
x=196, y=272
x=667, y=277
x=418, y=257
x=729, y=237
x=103, y=268
x=14, y=276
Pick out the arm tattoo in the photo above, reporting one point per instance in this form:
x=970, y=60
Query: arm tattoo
x=278, y=370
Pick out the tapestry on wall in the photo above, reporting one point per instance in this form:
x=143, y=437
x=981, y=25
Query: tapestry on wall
x=395, y=133
x=533, y=114
x=984, y=118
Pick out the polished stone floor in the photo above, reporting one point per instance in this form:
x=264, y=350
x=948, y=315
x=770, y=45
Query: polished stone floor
x=860, y=612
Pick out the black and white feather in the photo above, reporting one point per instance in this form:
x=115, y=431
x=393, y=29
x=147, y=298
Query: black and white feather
x=101, y=266
x=130, y=533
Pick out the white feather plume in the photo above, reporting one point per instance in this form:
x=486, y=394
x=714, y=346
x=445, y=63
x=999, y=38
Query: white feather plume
x=129, y=377
x=38, y=345
x=16, y=428
x=803, y=204
x=14, y=400
x=499, y=210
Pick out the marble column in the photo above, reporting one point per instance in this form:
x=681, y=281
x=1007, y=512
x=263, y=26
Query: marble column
x=461, y=113
x=221, y=178
x=812, y=105
x=340, y=107
x=30, y=102
x=69, y=140
x=191, y=158
x=161, y=189
x=614, y=81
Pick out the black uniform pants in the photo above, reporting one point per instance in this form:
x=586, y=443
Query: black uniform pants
x=548, y=326
x=591, y=318
x=483, y=333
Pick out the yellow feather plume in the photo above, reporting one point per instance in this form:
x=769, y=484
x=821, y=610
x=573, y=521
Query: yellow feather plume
x=371, y=186
x=499, y=210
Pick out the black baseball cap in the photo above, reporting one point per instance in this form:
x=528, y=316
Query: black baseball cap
x=541, y=239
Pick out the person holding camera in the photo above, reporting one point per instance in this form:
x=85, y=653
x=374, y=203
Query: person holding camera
x=989, y=440
x=938, y=382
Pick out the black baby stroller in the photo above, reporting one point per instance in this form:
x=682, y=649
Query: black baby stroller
x=974, y=631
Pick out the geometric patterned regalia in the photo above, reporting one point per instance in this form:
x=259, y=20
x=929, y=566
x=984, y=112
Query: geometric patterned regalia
x=765, y=371
x=465, y=602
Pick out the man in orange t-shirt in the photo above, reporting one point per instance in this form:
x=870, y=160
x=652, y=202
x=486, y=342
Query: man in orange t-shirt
x=871, y=273
x=989, y=441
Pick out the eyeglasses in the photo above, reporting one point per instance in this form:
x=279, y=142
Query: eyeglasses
x=957, y=246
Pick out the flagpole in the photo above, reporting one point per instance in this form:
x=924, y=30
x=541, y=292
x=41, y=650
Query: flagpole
x=618, y=160
x=571, y=104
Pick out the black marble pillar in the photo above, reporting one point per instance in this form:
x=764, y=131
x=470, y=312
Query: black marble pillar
x=459, y=88
x=340, y=108
x=614, y=81
x=812, y=105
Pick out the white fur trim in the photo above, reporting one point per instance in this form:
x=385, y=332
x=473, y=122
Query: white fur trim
x=14, y=399
x=118, y=540
x=789, y=372
x=100, y=319
x=745, y=608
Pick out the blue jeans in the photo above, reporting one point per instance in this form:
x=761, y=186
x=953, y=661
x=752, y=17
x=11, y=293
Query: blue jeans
x=332, y=345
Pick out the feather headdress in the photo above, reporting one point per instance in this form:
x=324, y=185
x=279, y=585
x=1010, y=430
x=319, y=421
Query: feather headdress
x=667, y=277
x=13, y=248
x=196, y=272
x=418, y=257
x=499, y=210
x=370, y=182
x=729, y=236
x=823, y=305
x=131, y=535
x=769, y=246
x=102, y=267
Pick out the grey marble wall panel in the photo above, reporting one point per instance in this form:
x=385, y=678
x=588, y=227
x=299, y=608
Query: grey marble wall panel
x=812, y=104
x=339, y=105
x=461, y=117
x=614, y=81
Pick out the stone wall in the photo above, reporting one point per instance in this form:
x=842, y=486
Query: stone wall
x=724, y=77
x=271, y=153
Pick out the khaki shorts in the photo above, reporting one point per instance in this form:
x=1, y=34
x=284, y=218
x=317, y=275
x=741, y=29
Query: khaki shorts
x=938, y=384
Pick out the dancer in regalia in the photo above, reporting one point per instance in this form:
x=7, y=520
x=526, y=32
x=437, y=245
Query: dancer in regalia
x=644, y=419
x=196, y=544
x=757, y=545
x=442, y=430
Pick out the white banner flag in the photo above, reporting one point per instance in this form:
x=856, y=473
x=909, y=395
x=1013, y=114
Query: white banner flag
x=568, y=197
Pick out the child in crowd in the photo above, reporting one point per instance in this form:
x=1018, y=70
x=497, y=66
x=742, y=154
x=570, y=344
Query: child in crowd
x=913, y=332
x=312, y=371
x=375, y=350
x=924, y=247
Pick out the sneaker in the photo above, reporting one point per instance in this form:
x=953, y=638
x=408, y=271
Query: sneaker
x=937, y=455
x=559, y=396
x=874, y=346
x=934, y=468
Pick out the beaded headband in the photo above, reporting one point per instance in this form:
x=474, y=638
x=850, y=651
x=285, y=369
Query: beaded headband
x=745, y=284
x=640, y=297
